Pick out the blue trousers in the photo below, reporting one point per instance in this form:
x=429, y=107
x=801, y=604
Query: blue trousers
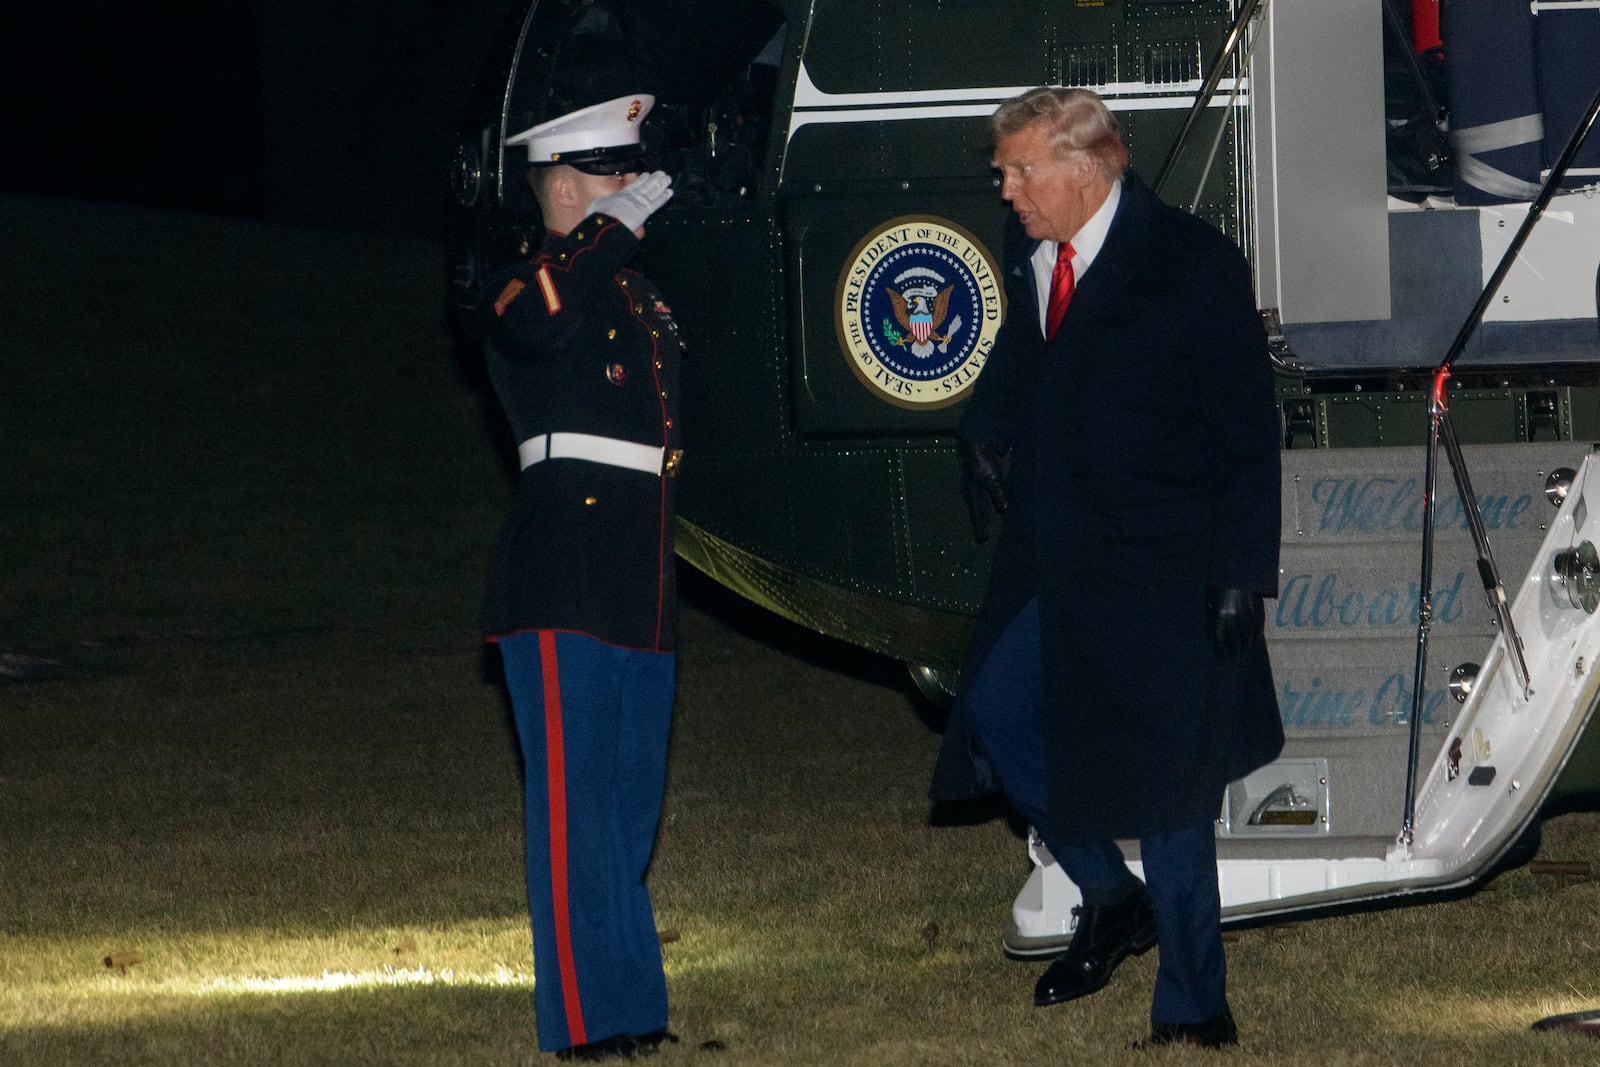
x=1005, y=700
x=593, y=720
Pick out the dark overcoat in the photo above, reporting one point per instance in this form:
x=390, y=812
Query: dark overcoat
x=1143, y=468
x=576, y=342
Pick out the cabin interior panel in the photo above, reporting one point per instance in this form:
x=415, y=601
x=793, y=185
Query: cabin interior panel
x=1572, y=341
x=1569, y=42
x=1439, y=260
x=1319, y=165
x=1554, y=275
x=1432, y=268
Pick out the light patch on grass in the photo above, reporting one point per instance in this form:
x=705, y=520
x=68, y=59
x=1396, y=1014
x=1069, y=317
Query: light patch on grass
x=329, y=981
x=1452, y=1016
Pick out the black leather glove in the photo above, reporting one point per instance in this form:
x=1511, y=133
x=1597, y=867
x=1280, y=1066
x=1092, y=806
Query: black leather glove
x=983, y=485
x=1237, y=621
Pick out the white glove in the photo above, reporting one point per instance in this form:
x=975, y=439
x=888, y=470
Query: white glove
x=637, y=202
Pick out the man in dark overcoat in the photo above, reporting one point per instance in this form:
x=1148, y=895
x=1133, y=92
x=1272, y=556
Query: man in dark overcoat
x=1117, y=678
x=584, y=356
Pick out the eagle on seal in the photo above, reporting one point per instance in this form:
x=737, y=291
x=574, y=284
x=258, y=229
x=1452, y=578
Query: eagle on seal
x=913, y=311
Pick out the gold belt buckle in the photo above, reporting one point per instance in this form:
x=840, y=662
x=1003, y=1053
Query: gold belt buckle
x=674, y=458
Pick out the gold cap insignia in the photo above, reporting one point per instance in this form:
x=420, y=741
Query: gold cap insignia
x=634, y=109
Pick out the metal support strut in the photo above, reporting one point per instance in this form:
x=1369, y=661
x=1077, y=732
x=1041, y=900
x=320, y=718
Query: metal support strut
x=1440, y=429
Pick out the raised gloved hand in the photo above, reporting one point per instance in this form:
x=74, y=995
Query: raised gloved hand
x=634, y=203
x=983, y=485
x=1237, y=621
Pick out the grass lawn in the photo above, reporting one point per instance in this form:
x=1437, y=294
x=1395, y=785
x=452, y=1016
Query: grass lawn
x=246, y=502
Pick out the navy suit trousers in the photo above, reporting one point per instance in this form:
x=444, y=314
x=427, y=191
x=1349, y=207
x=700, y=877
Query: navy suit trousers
x=1005, y=702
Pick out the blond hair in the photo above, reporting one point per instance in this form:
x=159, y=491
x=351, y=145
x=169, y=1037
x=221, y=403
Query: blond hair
x=1078, y=121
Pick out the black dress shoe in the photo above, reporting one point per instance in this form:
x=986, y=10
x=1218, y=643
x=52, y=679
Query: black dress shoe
x=1106, y=935
x=1215, y=1032
x=609, y=1048
x=618, y=1047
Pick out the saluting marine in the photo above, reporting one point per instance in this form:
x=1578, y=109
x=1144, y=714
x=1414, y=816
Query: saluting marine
x=584, y=357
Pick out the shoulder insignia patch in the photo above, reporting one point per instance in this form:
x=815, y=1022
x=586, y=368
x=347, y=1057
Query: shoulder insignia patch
x=512, y=290
x=552, y=299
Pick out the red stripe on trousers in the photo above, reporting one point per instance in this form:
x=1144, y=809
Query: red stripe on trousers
x=556, y=775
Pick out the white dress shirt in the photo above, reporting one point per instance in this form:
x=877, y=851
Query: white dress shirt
x=1086, y=244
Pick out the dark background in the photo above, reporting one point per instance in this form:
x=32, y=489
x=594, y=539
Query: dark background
x=326, y=113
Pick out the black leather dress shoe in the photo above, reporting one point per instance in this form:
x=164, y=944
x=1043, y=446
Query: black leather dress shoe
x=1214, y=1032
x=618, y=1047
x=1106, y=935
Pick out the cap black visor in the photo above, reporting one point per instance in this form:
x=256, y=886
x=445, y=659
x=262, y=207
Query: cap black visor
x=623, y=159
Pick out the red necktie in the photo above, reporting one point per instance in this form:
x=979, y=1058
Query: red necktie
x=1062, y=283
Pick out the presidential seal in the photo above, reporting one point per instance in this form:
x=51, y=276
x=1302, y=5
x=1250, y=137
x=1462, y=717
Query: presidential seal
x=918, y=306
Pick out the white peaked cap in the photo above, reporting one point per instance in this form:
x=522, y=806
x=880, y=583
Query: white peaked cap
x=590, y=134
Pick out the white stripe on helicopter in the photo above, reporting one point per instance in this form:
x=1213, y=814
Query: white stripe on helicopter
x=813, y=105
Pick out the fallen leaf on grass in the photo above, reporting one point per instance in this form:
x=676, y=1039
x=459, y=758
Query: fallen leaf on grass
x=122, y=959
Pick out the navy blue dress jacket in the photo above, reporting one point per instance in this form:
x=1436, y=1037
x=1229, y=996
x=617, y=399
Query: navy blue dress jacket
x=576, y=342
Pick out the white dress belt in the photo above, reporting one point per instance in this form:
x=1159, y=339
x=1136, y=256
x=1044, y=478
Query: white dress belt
x=587, y=446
